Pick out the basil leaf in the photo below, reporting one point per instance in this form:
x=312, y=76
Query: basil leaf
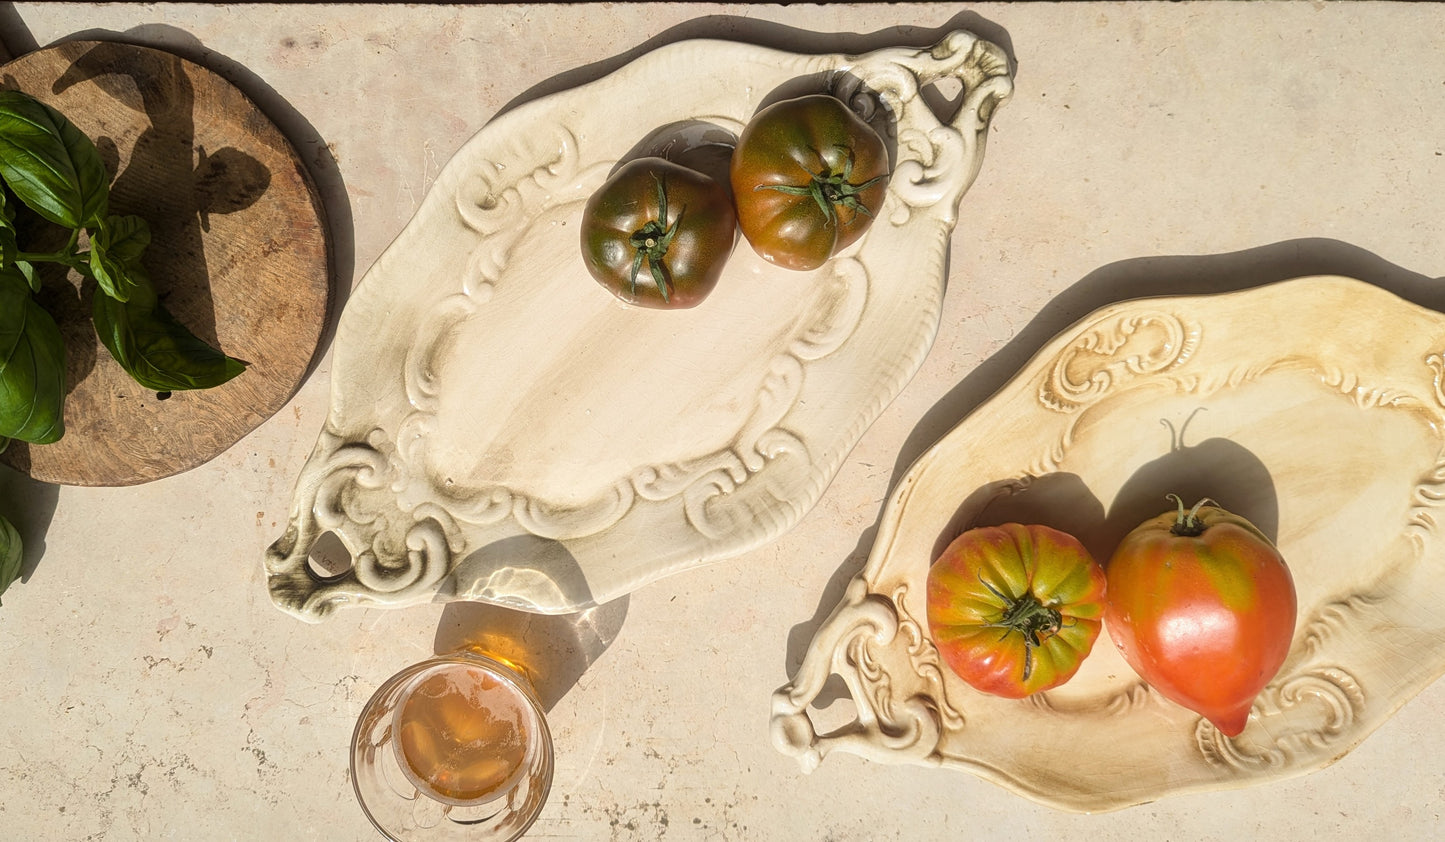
x=116, y=247
x=9, y=244
x=27, y=271
x=11, y=554
x=50, y=164
x=158, y=351
x=32, y=365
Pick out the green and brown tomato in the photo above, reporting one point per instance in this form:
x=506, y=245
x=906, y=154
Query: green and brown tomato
x=1015, y=609
x=1202, y=606
x=657, y=234
x=808, y=175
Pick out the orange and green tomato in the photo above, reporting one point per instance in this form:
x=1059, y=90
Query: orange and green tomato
x=1015, y=609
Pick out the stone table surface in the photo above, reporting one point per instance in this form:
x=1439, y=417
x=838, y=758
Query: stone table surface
x=153, y=692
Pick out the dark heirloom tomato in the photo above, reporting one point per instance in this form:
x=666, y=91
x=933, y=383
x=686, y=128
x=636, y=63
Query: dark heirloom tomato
x=1202, y=606
x=1015, y=609
x=676, y=222
x=807, y=175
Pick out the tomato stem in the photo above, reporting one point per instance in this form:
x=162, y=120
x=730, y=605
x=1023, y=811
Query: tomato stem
x=1188, y=525
x=651, y=242
x=832, y=190
x=1027, y=616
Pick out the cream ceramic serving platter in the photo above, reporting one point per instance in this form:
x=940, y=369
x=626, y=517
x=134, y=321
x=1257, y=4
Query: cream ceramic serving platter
x=502, y=429
x=1314, y=407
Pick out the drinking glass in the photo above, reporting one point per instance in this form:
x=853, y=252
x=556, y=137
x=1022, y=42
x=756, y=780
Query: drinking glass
x=453, y=747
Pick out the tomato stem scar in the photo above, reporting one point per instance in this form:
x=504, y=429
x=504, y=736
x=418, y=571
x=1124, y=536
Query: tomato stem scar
x=652, y=241
x=1027, y=616
x=831, y=190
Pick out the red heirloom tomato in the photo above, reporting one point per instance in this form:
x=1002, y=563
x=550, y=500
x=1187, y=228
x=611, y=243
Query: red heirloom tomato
x=677, y=222
x=1015, y=609
x=1202, y=606
x=807, y=175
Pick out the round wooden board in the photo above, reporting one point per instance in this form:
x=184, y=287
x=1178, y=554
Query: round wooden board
x=239, y=254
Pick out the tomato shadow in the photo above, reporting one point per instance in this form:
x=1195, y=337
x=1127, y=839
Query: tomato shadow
x=1147, y=277
x=1216, y=469
x=699, y=145
x=1059, y=500
x=944, y=98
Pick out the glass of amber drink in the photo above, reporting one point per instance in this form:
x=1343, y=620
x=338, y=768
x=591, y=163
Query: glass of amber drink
x=454, y=747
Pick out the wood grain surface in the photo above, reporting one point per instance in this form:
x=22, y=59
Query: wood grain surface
x=239, y=254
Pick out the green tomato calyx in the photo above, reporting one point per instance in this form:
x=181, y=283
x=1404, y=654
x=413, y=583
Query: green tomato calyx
x=651, y=243
x=1187, y=524
x=832, y=190
x=1026, y=616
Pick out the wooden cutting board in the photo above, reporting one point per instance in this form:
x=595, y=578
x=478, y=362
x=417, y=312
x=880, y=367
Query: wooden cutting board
x=239, y=254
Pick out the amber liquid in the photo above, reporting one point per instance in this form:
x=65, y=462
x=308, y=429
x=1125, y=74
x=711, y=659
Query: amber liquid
x=463, y=734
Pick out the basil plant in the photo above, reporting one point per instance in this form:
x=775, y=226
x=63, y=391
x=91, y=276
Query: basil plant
x=52, y=168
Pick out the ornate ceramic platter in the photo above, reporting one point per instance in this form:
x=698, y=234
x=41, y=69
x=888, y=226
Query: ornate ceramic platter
x=504, y=430
x=1327, y=438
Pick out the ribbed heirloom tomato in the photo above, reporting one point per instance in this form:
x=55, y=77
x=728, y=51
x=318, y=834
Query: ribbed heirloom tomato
x=807, y=176
x=675, y=222
x=1202, y=606
x=1015, y=609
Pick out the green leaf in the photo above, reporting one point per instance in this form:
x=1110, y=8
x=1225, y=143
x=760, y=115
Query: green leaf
x=27, y=271
x=32, y=365
x=116, y=247
x=11, y=554
x=9, y=244
x=158, y=351
x=50, y=164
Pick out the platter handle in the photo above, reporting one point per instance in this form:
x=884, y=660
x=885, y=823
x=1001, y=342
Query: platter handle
x=939, y=157
x=892, y=723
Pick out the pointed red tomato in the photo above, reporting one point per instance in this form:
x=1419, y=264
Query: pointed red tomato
x=1202, y=606
x=1015, y=609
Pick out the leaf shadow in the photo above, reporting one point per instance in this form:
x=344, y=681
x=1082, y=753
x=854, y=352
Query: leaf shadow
x=223, y=180
x=29, y=505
